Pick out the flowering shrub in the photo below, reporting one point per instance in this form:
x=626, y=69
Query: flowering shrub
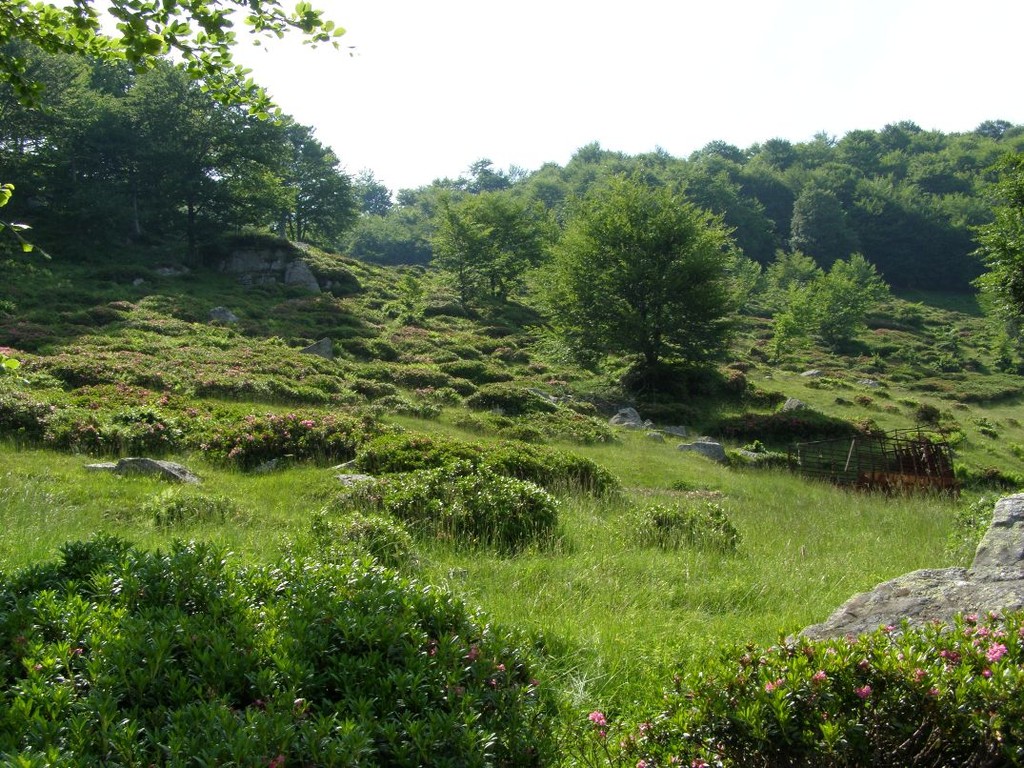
x=119, y=656
x=931, y=696
x=254, y=439
x=700, y=524
x=466, y=505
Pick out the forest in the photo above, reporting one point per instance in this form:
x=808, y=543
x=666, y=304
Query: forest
x=116, y=157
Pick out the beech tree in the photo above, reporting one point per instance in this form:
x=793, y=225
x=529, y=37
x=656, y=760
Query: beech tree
x=1001, y=243
x=201, y=32
x=641, y=270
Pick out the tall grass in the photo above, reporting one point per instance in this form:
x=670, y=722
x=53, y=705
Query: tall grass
x=618, y=619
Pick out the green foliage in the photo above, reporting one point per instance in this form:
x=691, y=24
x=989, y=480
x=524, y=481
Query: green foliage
x=185, y=506
x=118, y=655
x=973, y=519
x=784, y=427
x=512, y=399
x=487, y=241
x=1001, y=242
x=257, y=439
x=201, y=33
x=831, y=306
x=465, y=505
x=547, y=467
x=381, y=537
x=930, y=696
x=697, y=524
x=642, y=271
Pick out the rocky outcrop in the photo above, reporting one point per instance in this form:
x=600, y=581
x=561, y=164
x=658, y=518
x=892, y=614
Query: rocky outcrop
x=323, y=348
x=269, y=266
x=630, y=419
x=165, y=470
x=994, y=582
x=705, y=446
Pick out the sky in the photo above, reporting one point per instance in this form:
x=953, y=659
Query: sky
x=421, y=90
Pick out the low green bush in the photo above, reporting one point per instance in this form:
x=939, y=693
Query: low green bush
x=116, y=656
x=929, y=696
x=511, y=399
x=383, y=538
x=699, y=524
x=783, y=426
x=255, y=439
x=476, y=371
x=547, y=467
x=184, y=506
x=467, y=506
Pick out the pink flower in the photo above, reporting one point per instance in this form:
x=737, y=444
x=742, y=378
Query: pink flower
x=699, y=762
x=819, y=676
x=641, y=764
x=863, y=692
x=919, y=674
x=277, y=762
x=597, y=718
x=986, y=673
x=769, y=687
x=933, y=691
x=474, y=653
x=996, y=652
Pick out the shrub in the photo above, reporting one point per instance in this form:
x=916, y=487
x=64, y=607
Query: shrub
x=783, y=426
x=511, y=399
x=383, y=538
x=461, y=504
x=701, y=525
x=183, y=506
x=930, y=696
x=554, y=469
x=409, y=452
x=254, y=440
x=120, y=656
x=476, y=371
x=549, y=468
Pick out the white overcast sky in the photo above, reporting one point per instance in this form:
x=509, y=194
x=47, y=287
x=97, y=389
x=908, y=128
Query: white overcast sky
x=430, y=87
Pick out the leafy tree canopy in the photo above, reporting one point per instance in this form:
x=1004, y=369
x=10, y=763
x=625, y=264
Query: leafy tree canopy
x=1001, y=242
x=641, y=270
x=200, y=31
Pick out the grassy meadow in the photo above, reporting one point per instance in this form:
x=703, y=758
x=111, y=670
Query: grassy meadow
x=111, y=368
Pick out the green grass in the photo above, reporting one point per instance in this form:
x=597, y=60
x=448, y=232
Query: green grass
x=618, y=619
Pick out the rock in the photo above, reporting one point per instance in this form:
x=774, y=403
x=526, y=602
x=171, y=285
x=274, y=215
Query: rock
x=792, y=404
x=323, y=348
x=812, y=374
x=269, y=266
x=869, y=383
x=627, y=417
x=137, y=282
x=1003, y=543
x=165, y=470
x=994, y=582
x=656, y=437
x=298, y=273
x=350, y=481
x=676, y=431
x=705, y=446
x=223, y=315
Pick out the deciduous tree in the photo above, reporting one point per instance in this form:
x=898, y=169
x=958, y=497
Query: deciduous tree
x=641, y=271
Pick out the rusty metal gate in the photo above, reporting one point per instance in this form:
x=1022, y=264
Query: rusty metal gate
x=900, y=460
